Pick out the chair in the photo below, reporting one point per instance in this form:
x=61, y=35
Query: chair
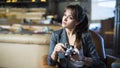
x=99, y=43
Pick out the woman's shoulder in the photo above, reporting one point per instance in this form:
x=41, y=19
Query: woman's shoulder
x=58, y=31
x=87, y=33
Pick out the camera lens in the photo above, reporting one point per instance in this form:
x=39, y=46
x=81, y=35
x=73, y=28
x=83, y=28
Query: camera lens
x=69, y=51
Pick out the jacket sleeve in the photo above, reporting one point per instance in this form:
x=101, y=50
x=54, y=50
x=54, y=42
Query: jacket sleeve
x=93, y=53
x=53, y=42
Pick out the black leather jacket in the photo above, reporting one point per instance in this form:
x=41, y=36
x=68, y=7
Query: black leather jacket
x=89, y=50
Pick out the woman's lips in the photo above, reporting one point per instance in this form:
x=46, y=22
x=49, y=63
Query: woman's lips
x=64, y=23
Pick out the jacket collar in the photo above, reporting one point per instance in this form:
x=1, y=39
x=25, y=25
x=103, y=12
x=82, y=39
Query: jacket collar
x=64, y=36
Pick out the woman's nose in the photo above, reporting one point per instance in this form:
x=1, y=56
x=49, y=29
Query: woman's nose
x=65, y=19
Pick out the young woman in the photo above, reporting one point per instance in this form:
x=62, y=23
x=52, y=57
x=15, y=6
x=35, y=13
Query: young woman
x=74, y=34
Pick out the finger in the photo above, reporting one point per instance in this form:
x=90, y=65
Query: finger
x=62, y=45
x=62, y=48
x=59, y=47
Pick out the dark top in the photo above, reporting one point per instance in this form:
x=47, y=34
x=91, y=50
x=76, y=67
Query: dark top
x=89, y=49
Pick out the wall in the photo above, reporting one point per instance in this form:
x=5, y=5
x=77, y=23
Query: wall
x=101, y=11
x=21, y=56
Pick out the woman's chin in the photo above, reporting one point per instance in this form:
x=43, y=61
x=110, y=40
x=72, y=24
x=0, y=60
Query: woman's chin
x=63, y=26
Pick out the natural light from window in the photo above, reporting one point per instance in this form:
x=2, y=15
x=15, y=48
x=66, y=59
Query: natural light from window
x=102, y=9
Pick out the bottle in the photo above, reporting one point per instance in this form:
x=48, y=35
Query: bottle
x=47, y=29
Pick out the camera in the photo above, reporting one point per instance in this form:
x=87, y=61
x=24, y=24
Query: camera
x=69, y=51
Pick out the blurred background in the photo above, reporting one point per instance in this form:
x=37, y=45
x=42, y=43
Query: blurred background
x=30, y=22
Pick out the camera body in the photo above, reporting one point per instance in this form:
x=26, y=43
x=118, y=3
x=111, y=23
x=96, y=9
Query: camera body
x=69, y=51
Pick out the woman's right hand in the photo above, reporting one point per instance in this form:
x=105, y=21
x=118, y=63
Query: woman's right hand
x=58, y=48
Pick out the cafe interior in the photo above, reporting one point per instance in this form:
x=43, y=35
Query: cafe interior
x=26, y=27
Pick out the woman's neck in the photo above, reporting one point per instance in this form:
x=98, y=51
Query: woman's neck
x=70, y=32
x=71, y=36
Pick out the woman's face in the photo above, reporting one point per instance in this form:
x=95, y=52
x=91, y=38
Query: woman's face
x=68, y=21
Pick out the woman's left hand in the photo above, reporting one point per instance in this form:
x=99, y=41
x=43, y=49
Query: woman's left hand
x=88, y=61
x=75, y=57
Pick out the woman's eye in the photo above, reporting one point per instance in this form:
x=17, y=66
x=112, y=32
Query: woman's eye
x=71, y=17
x=64, y=15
